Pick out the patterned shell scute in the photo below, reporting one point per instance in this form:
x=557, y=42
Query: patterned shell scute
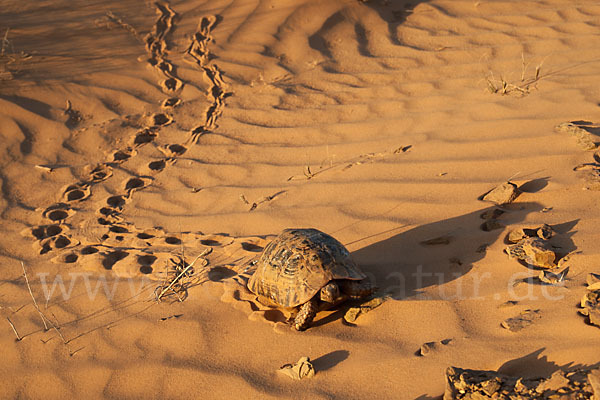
x=298, y=263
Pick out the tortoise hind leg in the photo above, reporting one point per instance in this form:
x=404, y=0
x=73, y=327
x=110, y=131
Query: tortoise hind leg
x=306, y=314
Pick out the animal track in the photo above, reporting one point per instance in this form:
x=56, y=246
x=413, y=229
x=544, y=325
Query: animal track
x=210, y=242
x=252, y=247
x=58, y=212
x=116, y=202
x=135, y=184
x=100, y=173
x=156, y=46
x=172, y=240
x=77, y=192
x=146, y=261
x=67, y=258
x=160, y=119
x=217, y=274
x=198, y=51
x=117, y=245
x=56, y=242
x=123, y=155
x=89, y=250
x=144, y=137
x=44, y=231
x=111, y=258
x=198, y=48
x=171, y=102
x=173, y=150
x=157, y=165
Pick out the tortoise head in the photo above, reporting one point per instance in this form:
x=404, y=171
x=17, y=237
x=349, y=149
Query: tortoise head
x=330, y=292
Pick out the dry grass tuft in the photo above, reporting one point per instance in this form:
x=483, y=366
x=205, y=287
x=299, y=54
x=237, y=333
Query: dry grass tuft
x=179, y=277
x=521, y=88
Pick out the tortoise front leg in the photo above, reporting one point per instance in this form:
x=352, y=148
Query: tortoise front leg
x=306, y=314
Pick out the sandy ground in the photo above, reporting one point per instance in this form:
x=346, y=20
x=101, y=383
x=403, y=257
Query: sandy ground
x=137, y=134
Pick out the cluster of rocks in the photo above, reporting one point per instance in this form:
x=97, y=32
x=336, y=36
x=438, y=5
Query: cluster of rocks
x=478, y=385
x=590, y=303
x=532, y=246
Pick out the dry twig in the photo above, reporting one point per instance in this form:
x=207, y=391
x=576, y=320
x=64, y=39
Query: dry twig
x=19, y=338
x=33, y=297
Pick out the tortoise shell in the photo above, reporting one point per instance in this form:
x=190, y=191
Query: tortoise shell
x=298, y=263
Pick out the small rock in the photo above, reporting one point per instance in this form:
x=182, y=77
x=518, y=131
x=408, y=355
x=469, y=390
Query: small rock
x=428, y=347
x=476, y=384
x=300, y=370
x=553, y=278
x=503, y=194
x=555, y=382
x=590, y=304
x=517, y=235
x=593, y=281
x=544, y=232
x=521, y=321
x=491, y=386
x=594, y=379
x=354, y=312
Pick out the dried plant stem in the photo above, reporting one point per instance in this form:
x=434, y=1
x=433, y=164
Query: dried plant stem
x=5, y=42
x=181, y=274
x=45, y=319
x=33, y=297
x=19, y=338
x=59, y=333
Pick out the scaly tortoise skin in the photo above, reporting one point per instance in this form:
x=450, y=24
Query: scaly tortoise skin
x=304, y=268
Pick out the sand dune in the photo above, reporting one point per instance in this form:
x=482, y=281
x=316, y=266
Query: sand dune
x=136, y=135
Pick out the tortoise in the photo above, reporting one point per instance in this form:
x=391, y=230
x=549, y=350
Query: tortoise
x=308, y=270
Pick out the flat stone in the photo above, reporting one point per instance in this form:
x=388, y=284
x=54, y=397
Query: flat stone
x=502, y=194
x=533, y=251
x=300, y=370
x=354, y=312
x=593, y=281
x=556, y=381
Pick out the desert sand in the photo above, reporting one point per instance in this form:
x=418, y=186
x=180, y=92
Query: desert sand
x=138, y=137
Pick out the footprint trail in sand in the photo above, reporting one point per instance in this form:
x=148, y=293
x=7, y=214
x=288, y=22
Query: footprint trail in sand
x=120, y=246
